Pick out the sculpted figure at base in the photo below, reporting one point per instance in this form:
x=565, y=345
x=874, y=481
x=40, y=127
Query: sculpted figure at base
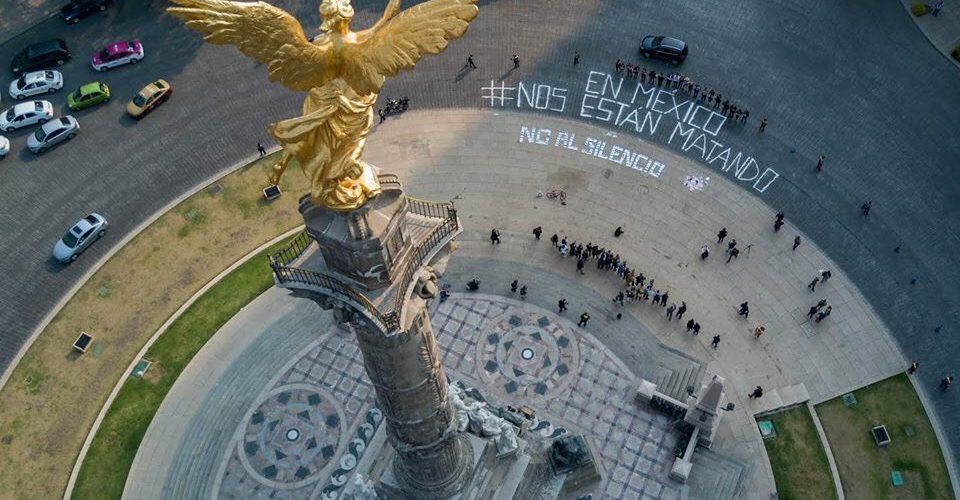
x=342, y=72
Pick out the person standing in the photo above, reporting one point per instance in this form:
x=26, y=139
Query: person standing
x=494, y=237
x=470, y=63
x=523, y=292
x=516, y=61
x=937, y=7
x=778, y=223
x=813, y=284
x=913, y=368
x=763, y=125
x=820, y=163
x=580, y=263
x=759, y=331
x=562, y=305
x=537, y=231
x=721, y=235
x=813, y=310
x=822, y=315
x=554, y=239
x=260, y=149
x=618, y=231
x=865, y=208
x=731, y=245
x=513, y=286
x=946, y=383
x=757, y=393
x=704, y=252
x=696, y=328
x=664, y=298
x=670, y=311
x=825, y=275
x=583, y=320
x=796, y=242
x=734, y=253
x=576, y=58
x=690, y=323
x=716, y=341
x=744, y=310
x=681, y=310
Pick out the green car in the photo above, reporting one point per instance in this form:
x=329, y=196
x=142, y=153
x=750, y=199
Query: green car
x=88, y=95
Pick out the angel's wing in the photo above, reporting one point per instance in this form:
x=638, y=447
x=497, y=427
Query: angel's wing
x=261, y=31
x=397, y=42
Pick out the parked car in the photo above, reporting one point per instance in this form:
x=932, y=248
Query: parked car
x=38, y=82
x=117, y=54
x=76, y=10
x=4, y=146
x=664, y=47
x=52, y=133
x=149, y=97
x=88, y=95
x=79, y=237
x=26, y=114
x=41, y=55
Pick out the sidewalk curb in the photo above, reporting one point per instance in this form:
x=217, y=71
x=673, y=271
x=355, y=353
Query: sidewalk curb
x=143, y=351
x=110, y=253
x=834, y=472
x=944, y=51
x=941, y=437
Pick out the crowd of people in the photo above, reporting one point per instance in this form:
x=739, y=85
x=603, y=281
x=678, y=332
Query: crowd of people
x=701, y=94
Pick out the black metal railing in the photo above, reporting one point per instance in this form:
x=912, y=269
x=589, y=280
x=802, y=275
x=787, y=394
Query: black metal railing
x=291, y=251
x=390, y=321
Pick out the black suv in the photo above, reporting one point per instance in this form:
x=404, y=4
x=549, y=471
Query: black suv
x=663, y=47
x=41, y=55
x=76, y=10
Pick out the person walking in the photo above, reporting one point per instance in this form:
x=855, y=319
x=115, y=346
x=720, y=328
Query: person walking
x=731, y=245
x=865, y=208
x=813, y=284
x=690, y=323
x=523, y=292
x=580, y=264
x=382, y=114
x=721, y=235
x=664, y=298
x=681, y=310
x=656, y=297
x=537, y=231
x=825, y=275
x=813, y=310
x=470, y=63
x=516, y=61
x=260, y=149
x=696, y=328
x=820, y=163
x=744, y=310
x=757, y=393
x=763, y=125
x=937, y=7
x=822, y=315
x=913, y=368
x=562, y=305
x=796, y=242
x=734, y=253
x=494, y=237
x=576, y=58
x=670, y=311
x=946, y=383
x=778, y=223
x=704, y=252
x=583, y=320
x=716, y=341
x=554, y=239
x=759, y=331
x=513, y=286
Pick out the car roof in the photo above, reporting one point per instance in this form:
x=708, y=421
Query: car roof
x=36, y=76
x=672, y=43
x=118, y=48
x=89, y=88
x=52, y=125
x=25, y=107
x=152, y=88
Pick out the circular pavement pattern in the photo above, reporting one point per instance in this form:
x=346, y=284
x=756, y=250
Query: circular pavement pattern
x=528, y=354
x=292, y=435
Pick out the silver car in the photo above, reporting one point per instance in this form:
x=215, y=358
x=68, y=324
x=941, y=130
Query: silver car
x=4, y=146
x=79, y=237
x=26, y=114
x=38, y=82
x=52, y=133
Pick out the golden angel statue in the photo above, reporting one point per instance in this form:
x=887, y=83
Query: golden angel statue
x=342, y=72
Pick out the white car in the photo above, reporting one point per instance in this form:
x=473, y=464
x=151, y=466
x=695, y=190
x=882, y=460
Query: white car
x=79, y=237
x=38, y=82
x=4, y=146
x=25, y=114
x=52, y=133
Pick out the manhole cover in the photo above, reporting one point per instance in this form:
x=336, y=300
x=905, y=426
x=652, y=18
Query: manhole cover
x=849, y=399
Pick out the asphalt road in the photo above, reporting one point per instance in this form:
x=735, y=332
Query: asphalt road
x=855, y=81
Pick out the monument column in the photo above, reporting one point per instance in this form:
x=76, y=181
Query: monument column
x=433, y=460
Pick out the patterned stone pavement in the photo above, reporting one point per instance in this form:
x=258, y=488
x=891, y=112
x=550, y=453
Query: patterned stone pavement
x=305, y=433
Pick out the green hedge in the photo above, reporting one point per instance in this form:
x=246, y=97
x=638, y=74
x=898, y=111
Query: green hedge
x=920, y=9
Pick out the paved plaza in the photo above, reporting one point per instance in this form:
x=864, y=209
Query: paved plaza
x=509, y=349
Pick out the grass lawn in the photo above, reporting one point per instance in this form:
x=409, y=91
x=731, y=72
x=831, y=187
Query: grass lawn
x=111, y=454
x=864, y=468
x=799, y=463
x=54, y=395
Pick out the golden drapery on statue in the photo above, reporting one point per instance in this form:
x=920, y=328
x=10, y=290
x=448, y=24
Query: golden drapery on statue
x=342, y=72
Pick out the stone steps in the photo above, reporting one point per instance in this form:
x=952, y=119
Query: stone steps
x=676, y=374
x=715, y=476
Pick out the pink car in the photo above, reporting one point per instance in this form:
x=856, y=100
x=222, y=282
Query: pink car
x=117, y=54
